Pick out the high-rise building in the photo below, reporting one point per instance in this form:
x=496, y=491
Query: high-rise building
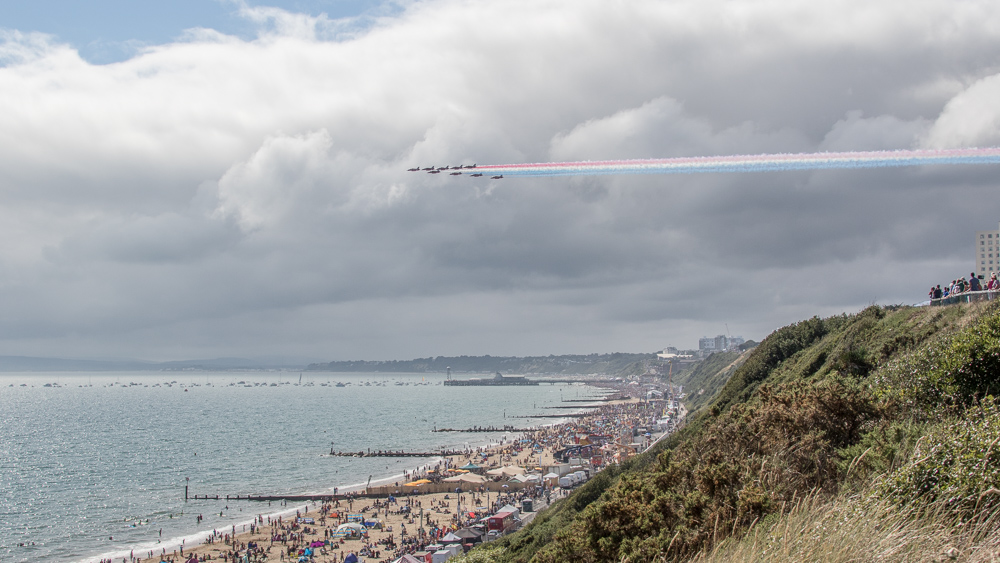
x=987, y=253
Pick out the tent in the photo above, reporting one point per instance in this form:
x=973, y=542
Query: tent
x=351, y=529
x=470, y=466
x=451, y=538
x=467, y=478
x=511, y=509
x=351, y=558
x=507, y=470
x=469, y=535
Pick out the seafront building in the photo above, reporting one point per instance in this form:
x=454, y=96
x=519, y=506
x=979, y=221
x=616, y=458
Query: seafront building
x=987, y=253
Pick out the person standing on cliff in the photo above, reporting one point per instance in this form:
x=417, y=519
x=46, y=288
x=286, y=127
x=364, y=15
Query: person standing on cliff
x=974, y=284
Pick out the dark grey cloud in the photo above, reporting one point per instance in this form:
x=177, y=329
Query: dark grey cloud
x=223, y=196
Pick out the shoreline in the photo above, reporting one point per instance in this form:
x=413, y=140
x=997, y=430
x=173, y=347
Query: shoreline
x=499, y=451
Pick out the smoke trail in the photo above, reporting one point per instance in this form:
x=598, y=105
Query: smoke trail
x=750, y=163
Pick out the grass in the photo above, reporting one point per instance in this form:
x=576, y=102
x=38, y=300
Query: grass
x=850, y=530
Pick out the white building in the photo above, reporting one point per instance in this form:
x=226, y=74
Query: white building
x=720, y=343
x=987, y=253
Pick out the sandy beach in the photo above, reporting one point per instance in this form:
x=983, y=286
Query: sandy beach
x=410, y=520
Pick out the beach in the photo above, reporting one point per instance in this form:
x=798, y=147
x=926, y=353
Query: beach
x=403, y=517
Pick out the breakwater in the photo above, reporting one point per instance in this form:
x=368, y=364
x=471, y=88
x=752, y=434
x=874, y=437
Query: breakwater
x=479, y=429
x=381, y=453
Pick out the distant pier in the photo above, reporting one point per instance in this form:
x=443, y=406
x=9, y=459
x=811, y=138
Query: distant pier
x=497, y=380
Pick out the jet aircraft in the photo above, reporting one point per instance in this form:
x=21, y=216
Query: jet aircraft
x=455, y=174
x=476, y=175
x=496, y=177
x=417, y=169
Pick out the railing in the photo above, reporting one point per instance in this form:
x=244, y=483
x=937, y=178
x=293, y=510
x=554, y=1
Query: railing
x=965, y=297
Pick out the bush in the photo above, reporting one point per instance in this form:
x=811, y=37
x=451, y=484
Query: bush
x=956, y=463
x=750, y=462
x=953, y=371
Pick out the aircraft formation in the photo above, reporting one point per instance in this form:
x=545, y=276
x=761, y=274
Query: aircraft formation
x=457, y=171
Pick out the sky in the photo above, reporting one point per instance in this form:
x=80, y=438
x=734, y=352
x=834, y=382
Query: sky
x=204, y=178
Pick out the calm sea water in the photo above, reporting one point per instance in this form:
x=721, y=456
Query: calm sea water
x=95, y=464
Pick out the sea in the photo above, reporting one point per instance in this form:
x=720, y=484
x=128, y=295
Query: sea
x=94, y=465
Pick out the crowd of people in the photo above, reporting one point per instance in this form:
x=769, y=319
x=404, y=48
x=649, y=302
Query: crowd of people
x=961, y=285
x=387, y=528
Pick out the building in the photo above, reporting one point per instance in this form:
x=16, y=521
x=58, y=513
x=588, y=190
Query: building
x=987, y=253
x=720, y=343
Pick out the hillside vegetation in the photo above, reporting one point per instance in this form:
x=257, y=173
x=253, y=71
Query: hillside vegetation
x=854, y=432
x=708, y=376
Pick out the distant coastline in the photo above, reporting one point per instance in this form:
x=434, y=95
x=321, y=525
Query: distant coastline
x=32, y=364
x=566, y=364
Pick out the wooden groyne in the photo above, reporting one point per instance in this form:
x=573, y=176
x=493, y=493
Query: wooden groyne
x=270, y=498
x=381, y=453
x=485, y=429
x=381, y=491
x=573, y=407
x=567, y=415
x=595, y=399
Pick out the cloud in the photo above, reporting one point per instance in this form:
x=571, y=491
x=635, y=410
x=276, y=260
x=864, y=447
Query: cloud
x=971, y=118
x=225, y=196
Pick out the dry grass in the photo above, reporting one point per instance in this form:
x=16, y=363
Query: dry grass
x=848, y=530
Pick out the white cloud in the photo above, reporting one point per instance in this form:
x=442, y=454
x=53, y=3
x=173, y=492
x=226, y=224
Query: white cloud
x=215, y=183
x=971, y=118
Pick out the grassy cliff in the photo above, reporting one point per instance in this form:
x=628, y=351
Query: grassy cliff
x=886, y=415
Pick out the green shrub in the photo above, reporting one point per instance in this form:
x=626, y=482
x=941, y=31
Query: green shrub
x=952, y=371
x=955, y=463
x=748, y=463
